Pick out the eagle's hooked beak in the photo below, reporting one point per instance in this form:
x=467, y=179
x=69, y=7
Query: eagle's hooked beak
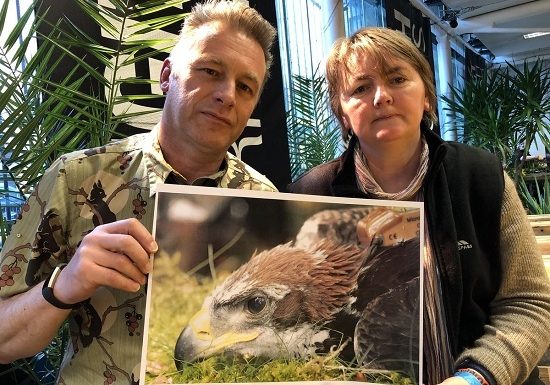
x=200, y=325
x=199, y=341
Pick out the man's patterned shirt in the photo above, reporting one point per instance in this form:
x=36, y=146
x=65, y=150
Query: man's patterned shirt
x=79, y=192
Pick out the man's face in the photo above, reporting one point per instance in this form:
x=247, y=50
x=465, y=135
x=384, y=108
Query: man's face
x=211, y=91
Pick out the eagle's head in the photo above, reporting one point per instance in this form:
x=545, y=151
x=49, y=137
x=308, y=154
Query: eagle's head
x=356, y=290
x=281, y=303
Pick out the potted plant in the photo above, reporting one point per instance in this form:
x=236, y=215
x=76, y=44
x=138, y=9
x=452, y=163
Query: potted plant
x=503, y=110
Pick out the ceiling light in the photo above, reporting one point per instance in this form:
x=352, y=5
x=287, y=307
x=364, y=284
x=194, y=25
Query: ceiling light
x=451, y=16
x=535, y=34
x=453, y=22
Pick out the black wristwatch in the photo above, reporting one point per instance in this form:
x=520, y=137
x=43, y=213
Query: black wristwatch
x=47, y=290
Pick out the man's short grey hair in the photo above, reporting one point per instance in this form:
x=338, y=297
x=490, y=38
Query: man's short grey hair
x=235, y=14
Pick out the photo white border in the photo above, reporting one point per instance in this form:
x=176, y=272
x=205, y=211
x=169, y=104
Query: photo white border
x=197, y=190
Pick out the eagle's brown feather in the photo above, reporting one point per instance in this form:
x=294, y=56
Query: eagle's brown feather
x=324, y=274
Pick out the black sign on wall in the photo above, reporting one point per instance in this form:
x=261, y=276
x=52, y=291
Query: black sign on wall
x=263, y=144
x=402, y=16
x=272, y=157
x=475, y=64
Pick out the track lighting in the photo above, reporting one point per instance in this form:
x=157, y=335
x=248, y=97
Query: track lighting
x=451, y=16
x=453, y=22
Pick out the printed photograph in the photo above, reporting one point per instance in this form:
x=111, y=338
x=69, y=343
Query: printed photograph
x=272, y=287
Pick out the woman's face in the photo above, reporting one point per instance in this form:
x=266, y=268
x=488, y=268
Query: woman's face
x=383, y=108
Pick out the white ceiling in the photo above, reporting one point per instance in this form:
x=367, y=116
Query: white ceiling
x=501, y=24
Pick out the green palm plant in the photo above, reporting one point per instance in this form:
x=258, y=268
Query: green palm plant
x=44, y=116
x=503, y=111
x=538, y=201
x=533, y=103
x=313, y=133
x=483, y=119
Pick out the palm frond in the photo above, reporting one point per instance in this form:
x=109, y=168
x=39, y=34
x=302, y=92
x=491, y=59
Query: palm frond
x=503, y=111
x=314, y=135
x=536, y=199
x=43, y=116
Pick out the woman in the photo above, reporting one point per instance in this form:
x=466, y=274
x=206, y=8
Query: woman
x=487, y=313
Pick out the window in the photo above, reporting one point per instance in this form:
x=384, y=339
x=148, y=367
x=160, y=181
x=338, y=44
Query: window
x=305, y=38
x=362, y=13
x=10, y=197
x=300, y=29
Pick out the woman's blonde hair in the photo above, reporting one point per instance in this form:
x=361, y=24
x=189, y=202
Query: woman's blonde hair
x=381, y=45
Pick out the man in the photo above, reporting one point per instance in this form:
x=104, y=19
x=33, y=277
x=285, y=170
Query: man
x=93, y=209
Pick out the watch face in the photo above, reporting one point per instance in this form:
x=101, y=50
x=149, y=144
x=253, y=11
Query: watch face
x=53, y=277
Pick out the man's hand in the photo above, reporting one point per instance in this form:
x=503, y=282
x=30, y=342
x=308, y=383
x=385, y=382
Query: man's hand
x=115, y=255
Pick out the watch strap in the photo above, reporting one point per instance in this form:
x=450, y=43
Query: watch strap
x=47, y=290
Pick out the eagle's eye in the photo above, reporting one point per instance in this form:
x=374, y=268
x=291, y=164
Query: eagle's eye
x=256, y=304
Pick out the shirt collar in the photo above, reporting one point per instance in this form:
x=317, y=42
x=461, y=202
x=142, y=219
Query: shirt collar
x=158, y=169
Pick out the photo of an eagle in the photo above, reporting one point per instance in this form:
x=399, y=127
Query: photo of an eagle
x=348, y=282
